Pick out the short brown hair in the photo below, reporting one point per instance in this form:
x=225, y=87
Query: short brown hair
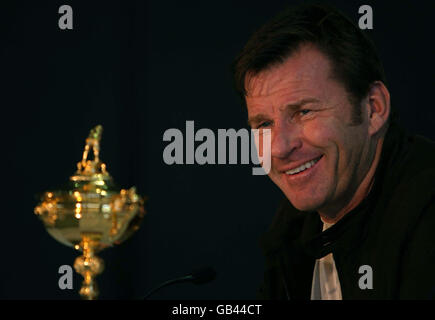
x=355, y=62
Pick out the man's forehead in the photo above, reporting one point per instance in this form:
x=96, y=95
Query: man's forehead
x=280, y=99
x=306, y=67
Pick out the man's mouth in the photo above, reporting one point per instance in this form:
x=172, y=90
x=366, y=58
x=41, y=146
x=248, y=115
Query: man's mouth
x=305, y=166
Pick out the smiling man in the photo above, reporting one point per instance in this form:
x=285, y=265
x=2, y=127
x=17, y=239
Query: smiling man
x=359, y=190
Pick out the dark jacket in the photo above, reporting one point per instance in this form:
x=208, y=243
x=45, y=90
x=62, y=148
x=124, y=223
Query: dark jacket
x=392, y=230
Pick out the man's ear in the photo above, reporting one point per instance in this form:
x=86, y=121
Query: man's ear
x=378, y=105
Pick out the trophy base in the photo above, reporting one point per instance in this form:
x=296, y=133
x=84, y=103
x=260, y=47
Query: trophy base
x=89, y=266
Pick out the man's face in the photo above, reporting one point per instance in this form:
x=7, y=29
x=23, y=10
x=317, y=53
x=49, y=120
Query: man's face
x=309, y=115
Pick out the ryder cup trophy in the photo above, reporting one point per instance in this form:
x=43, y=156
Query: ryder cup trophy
x=91, y=213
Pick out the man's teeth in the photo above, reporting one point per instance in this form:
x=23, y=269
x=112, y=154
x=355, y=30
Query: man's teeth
x=303, y=167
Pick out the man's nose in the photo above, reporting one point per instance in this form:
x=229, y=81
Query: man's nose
x=286, y=137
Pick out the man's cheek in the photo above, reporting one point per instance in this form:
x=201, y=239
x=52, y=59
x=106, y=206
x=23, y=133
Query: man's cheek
x=277, y=178
x=318, y=135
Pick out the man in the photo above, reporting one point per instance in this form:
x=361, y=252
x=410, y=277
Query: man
x=358, y=218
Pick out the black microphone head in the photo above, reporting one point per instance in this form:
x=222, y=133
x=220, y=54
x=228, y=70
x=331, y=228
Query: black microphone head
x=203, y=275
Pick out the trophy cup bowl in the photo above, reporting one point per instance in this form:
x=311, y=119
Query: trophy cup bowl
x=91, y=214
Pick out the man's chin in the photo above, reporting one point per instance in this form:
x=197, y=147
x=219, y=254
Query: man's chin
x=305, y=205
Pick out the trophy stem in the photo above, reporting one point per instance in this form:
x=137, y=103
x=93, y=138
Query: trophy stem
x=89, y=266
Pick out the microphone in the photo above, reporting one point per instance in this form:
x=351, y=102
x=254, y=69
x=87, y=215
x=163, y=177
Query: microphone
x=198, y=276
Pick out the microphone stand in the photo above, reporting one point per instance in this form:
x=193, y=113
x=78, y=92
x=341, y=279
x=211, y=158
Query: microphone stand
x=167, y=283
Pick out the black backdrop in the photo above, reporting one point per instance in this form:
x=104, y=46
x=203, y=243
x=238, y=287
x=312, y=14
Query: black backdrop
x=139, y=68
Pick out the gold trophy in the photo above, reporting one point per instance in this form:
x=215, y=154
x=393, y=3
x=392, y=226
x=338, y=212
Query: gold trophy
x=91, y=214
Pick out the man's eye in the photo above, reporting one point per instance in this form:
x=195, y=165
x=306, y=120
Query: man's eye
x=304, y=111
x=264, y=124
x=300, y=114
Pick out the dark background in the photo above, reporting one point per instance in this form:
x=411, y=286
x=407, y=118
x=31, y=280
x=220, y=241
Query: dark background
x=139, y=68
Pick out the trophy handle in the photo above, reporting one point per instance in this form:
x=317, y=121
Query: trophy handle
x=89, y=266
